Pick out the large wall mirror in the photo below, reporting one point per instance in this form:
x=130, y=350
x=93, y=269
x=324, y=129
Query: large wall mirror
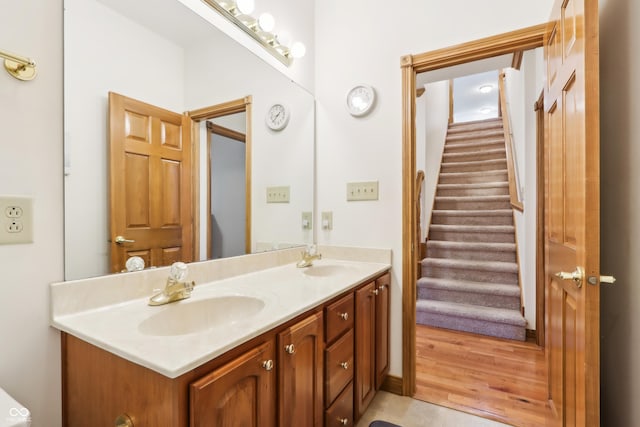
x=163, y=54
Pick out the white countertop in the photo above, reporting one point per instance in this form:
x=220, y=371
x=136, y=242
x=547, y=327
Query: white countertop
x=287, y=291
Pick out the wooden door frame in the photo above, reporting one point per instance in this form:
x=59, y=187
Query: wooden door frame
x=511, y=42
x=202, y=114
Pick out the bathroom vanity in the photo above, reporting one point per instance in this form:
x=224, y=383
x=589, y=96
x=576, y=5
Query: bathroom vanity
x=285, y=346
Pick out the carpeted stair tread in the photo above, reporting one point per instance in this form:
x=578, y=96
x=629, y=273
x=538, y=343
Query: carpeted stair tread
x=476, y=212
x=488, y=154
x=475, y=125
x=469, y=176
x=462, y=186
x=476, y=135
x=491, y=314
x=476, y=265
x=501, y=289
x=462, y=146
x=472, y=246
x=469, y=199
x=474, y=228
x=491, y=162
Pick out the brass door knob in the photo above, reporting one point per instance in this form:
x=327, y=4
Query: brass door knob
x=577, y=276
x=123, y=420
x=290, y=348
x=119, y=240
x=344, y=421
x=344, y=365
x=267, y=365
x=344, y=316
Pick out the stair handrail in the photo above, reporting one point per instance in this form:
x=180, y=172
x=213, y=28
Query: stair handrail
x=514, y=194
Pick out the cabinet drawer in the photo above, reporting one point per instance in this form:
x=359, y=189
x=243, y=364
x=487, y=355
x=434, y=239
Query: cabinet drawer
x=338, y=317
x=338, y=368
x=340, y=414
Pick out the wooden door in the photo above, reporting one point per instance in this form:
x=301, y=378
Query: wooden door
x=365, y=349
x=572, y=212
x=150, y=183
x=238, y=394
x=300, y=368
x=383, y=302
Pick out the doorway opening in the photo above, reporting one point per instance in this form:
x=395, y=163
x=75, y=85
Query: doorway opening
x=514, y=43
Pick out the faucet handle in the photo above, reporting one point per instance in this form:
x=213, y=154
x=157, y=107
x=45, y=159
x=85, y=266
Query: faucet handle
x=178, y=271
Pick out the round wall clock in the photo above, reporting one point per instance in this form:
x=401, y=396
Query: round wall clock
x=277, y=117
x=360, y=100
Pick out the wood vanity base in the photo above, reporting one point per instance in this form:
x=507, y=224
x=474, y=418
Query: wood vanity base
x=98, y=386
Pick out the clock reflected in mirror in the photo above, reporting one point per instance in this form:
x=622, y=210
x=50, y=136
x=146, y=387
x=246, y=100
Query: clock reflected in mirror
x=360, y=100
x=277, y=117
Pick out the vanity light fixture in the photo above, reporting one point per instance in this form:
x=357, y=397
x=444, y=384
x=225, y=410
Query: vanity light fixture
x=261, y=29
x=485, y=88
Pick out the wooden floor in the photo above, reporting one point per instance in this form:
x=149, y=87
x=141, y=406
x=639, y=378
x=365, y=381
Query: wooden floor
x=498, y=379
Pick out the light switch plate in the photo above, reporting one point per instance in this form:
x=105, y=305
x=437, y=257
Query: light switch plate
x=16, y=220
x=362, y=191
x=278, y=194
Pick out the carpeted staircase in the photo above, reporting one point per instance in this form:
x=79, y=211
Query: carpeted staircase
x=470, y=275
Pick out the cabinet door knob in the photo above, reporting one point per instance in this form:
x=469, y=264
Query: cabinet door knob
x=344, y=421
x=267, y=364
x=290, y=348
x=345, y=365
x=382, y=287
x=375, y=291
x=344, y=316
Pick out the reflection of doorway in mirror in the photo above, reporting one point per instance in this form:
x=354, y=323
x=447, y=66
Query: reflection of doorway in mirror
x=226, y=137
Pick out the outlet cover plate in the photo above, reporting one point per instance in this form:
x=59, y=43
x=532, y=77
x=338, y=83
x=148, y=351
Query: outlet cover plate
x=307, y=220
x=357, y=191
x=16, y=220
x=327, y=220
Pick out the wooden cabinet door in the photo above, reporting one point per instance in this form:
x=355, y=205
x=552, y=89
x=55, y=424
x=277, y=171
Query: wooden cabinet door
x=238, y=394
x=300, y=368
x=365, y=351
x=383, y=301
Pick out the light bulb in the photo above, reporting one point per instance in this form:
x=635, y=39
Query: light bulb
x=266, y=22
x=298, y=50
x=245, y=6
x=284, y=38
x=485, y=88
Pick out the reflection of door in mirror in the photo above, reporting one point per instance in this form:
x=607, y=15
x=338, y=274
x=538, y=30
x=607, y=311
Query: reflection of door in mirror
x=150, y=184
x=226, y=137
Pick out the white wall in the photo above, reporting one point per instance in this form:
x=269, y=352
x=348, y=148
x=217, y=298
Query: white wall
x=31, y=165
x=522, y=89
x=368, y=50
x=619, y=207
x=436, y=110
x=132, y=61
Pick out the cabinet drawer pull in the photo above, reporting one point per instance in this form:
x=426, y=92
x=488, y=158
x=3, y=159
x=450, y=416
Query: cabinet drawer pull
x=375, y=291
x=267, y=364
x=344, y=421
x=344, y=316
x=123, y=420
x=344, y=365
x=290, y=348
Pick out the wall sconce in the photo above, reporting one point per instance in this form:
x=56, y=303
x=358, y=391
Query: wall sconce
x=260, y=29
x=19, y=67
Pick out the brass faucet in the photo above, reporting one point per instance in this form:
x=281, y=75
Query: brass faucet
x=308, y=256
x=176, y=289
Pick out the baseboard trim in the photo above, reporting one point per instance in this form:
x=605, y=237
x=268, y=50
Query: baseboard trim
x=392, y=384
x=531, y=335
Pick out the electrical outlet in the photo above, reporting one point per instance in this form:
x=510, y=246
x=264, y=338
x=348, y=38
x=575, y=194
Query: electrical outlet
x=327, y=220
x=362, y=191
x=17, y=221
x=307, y=222
x=278, y=194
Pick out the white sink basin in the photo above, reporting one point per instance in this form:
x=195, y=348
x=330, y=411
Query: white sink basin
x=187, y=317
x=326, y=270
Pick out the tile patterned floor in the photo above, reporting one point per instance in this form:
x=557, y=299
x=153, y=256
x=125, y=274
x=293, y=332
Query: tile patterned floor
x=407, y=412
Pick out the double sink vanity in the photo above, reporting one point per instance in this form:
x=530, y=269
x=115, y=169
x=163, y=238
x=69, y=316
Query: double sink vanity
x=259, y=342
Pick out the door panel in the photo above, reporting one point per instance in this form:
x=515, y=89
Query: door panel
x=150, y=183
x=572, y=212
